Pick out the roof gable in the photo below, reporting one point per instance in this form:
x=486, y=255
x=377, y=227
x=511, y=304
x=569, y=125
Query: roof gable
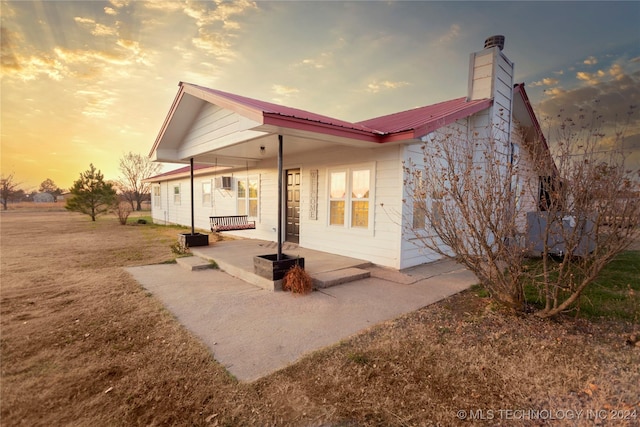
x=266, y=116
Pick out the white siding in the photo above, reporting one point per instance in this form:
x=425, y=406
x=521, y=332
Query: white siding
x=215, y=127
x=380, y=243
x=528, y=181
x=481, y=74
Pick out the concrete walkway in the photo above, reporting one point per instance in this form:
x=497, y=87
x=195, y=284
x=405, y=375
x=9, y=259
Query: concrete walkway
x=254, y=332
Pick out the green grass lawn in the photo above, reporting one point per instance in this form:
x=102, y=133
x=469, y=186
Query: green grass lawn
x=616, y=292
x=614, y=295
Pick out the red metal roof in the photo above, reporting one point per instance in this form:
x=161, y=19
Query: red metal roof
x=281, y=110
x=420, y=118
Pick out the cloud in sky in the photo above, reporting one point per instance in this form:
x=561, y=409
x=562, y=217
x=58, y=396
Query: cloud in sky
x=592, y=60
x=547, y=81
x=105, y=73
x=612, y=94
x=375, y=86
x=452, y=34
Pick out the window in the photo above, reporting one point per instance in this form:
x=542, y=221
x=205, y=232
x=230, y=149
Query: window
x=206, y=193
x=157, y=201
x=360, y=183
x=337, y=197
x=349, y=197
x=419, y=200
x=176, y=194
x=516, y=187
x=437, y=207
x=248, y=196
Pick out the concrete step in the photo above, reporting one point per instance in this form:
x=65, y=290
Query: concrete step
x=193, y=263
x=337, y=277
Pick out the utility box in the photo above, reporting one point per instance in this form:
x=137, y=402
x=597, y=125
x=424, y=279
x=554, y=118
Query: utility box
x=565, y=233
x=224, y=182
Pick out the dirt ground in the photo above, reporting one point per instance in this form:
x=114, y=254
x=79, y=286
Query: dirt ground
x=83, y=344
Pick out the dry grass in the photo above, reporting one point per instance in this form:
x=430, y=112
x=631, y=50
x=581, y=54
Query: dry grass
x=297, y=280
x=83, y=344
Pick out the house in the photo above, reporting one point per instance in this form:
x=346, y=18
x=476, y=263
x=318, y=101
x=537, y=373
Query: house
x=44, y=198
x=339, y=180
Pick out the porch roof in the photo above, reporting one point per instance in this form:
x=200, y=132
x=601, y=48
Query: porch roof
x=263, y=119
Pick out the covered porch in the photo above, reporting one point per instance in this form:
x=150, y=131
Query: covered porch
x=248, y=145
x=235, y=257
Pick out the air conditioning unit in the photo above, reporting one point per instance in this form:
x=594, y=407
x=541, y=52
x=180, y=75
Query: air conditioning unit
x=224, y=182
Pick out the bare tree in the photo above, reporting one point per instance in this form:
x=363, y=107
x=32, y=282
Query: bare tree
x=135, y=169
x=48, y=186
x=8, y=189
x=477, y=200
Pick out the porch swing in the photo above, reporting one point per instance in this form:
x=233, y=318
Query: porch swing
x=231, y=222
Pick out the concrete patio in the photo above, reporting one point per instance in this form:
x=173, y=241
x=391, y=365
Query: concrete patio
x=254, y=332
x=236, y=258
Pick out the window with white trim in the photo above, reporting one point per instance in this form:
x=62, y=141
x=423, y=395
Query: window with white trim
x=206, y=193
x=157, y=200
x=437, y=207
x=176, y=194
x=350, y=196
x=419, y=200
x=248, y=194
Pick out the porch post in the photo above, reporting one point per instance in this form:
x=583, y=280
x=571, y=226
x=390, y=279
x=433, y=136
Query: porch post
x=279, y=228
x=193, y=227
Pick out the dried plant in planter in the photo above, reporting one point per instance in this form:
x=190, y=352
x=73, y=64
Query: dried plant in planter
x=297, y=280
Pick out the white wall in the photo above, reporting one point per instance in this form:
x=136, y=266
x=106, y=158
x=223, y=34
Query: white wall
x=379, y=243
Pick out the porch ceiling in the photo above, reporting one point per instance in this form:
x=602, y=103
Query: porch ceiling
x=265, y=147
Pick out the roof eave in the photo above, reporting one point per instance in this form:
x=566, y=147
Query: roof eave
x=519, y=88
x=300, y=124
x=431, y=126
x=167, y=120
x=249, y=112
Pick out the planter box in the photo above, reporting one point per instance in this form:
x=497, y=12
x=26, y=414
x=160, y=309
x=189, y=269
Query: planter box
x=191, y=240
x=266, y=265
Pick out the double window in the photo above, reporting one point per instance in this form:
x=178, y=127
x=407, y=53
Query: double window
x=421, y=209
x=247, y=193
x=349, y=197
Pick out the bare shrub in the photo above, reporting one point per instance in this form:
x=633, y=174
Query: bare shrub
x=297, y=280
x=122, y=210
x=461, y=199
x=180, y=248
x=476, y=197
x=593, y=212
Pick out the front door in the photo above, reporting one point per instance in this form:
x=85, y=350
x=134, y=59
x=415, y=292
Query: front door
x=293, y=206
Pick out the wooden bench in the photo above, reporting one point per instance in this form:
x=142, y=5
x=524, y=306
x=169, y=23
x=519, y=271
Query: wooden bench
x=230, y=223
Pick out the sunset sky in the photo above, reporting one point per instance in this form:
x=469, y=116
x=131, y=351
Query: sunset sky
x=88, y=81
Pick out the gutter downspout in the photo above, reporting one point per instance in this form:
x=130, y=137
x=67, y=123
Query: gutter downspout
x=193, y=228
x=279, y=256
